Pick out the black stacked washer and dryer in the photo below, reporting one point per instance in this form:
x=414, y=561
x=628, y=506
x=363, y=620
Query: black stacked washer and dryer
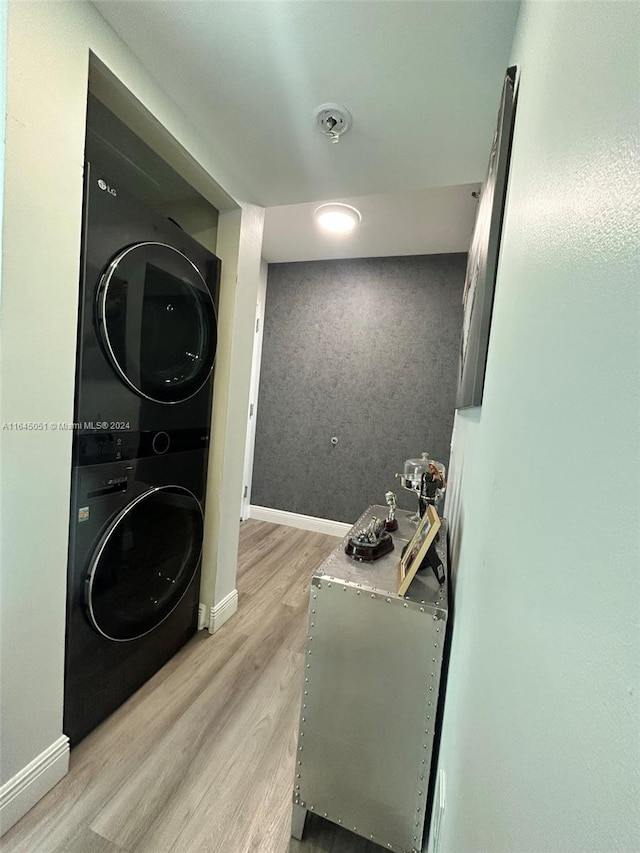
x=146, y=349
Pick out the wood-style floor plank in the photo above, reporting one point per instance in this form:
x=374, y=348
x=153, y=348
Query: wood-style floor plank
x=85, y=840
x=201, y=759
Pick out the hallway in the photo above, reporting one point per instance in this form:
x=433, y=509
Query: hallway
x=201, y=758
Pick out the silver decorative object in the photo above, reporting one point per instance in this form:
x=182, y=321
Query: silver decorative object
x=369, y=543
x=371, y=534
x=390, y=523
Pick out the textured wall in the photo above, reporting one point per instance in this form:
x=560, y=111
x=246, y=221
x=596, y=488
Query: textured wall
x=365, y=350
x=541, y=734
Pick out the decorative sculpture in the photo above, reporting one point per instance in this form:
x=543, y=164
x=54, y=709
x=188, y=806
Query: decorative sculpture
x=370, y=542
x=391, y=522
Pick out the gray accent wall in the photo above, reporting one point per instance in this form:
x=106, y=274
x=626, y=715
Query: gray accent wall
x=365, y=350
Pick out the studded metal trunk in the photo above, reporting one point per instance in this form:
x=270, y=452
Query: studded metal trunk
x=371, y=682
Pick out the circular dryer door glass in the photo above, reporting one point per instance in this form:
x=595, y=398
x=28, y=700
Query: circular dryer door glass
x=144, y=563
x=157, y=322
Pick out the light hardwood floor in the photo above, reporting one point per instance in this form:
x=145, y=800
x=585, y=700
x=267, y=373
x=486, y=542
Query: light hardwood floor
x=202, y=757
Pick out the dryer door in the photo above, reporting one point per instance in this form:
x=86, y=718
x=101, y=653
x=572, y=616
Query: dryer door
x=144, y=563
x=157, y=322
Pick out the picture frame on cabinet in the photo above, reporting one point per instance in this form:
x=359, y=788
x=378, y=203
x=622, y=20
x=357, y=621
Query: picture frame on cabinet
x=416, y=549
x=482, y=262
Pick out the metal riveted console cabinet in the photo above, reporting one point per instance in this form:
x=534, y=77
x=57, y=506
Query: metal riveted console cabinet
x=371, y=680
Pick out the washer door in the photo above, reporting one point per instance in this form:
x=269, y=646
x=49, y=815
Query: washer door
x=144, y=563
x=157, y=322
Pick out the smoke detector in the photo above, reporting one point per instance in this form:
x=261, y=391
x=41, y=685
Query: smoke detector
x=332, y=120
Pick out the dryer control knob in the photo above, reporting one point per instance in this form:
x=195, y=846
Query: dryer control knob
x=160, y=443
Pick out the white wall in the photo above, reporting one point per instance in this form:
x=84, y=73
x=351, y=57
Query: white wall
x=48, y=63
x=256, y=364
x=541, y=740
x=3, y=106
x=235, y=353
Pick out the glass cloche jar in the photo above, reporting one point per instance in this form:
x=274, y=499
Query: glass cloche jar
x=426, y=478
x=413, y=471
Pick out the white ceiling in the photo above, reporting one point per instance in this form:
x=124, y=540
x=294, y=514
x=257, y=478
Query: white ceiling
x=424, y=222
x=422, y=81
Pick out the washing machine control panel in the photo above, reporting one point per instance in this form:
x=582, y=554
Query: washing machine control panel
x=98, y=447
x=107, y=486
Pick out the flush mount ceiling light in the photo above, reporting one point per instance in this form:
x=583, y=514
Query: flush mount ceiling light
x=339, y=218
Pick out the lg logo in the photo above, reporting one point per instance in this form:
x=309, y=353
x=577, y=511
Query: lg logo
x=104, y=186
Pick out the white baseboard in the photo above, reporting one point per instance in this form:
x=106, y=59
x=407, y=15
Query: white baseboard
x=304, y=522
x=28, y=786
x=202, y=616
x=223, y=611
